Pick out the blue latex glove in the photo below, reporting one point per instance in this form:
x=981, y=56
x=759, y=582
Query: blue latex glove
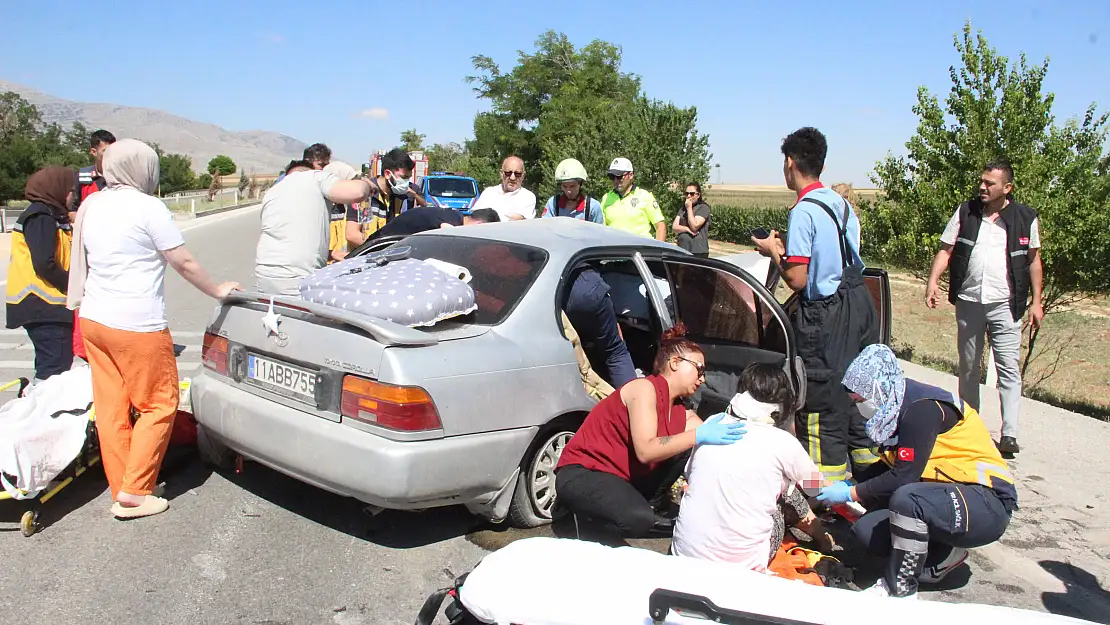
x=713, y=432
x=840, y=492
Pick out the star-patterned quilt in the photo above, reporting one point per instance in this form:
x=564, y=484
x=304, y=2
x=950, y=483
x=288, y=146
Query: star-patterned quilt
x=409, y=292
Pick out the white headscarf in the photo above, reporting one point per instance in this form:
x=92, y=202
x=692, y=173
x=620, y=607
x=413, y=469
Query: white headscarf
x=131, y=163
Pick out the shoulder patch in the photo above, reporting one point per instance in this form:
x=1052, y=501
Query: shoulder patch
x=905, y=454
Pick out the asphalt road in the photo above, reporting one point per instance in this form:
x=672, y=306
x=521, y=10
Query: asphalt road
x=260, y=548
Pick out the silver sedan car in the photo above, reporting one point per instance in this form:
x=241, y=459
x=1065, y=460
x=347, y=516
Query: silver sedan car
x=474, y=410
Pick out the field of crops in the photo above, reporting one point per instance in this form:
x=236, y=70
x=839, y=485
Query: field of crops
x=762, y=196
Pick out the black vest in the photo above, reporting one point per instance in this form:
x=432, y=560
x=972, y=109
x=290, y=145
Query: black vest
x=1018, y=220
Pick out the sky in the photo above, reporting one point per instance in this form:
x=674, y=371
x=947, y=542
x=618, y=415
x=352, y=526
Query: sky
x=354, y=74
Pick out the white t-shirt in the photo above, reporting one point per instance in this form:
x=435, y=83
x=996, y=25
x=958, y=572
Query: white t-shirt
x=726, y=513
x=124, y=233
x=295, y=221
x=520, y=202
x=988, y=278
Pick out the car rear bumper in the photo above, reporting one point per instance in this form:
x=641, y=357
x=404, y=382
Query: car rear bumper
x=351, y=462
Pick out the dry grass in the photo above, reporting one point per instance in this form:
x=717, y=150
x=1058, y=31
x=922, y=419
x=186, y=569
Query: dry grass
x=761, y=195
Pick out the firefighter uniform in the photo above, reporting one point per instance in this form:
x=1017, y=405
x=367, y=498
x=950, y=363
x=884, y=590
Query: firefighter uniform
x=88, y=182
x=942, y=484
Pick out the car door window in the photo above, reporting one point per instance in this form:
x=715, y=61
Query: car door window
x=718, y=307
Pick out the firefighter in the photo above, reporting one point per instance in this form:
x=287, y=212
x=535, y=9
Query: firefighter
x=942, y=486
x=38, y=275
x=572, y=201
x=91, y=179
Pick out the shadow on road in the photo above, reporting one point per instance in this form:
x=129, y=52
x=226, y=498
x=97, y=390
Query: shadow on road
x=394, y=529
x=1084, y=598
x=82, y=490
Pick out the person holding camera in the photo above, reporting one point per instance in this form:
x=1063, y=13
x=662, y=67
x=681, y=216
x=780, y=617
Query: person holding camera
x=691, y=224
x=836, y=317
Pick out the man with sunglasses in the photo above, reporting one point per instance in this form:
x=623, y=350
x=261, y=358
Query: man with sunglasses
x=628, y=207
x=510, y=199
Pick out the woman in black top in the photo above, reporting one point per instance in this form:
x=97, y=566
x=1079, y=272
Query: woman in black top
x=38, y=274
x=691, y=224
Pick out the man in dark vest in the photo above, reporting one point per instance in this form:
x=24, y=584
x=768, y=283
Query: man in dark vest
x=991, y=248
x=91, y=179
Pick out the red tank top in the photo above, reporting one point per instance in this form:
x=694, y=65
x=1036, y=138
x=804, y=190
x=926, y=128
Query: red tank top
x=604, y=442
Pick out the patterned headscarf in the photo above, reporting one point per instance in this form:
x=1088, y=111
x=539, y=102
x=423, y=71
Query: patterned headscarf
x=876, y=376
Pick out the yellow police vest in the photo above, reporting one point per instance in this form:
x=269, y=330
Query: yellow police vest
x=636, y=213
x=22, y=279
x=964, y=454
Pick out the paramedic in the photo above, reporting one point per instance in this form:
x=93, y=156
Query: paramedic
x=91, y=179
x=630, y=447
x=38, y=275
x=294, y=239
x=836, y=317
x=425, y=218
x=628, y=207
x=572, y=202
x=387, y=197
x=741, y=498
x=942, y=487
x=125, y=237
x=337, y=213
x=510, y=199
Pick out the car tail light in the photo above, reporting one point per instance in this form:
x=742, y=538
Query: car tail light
x=214, y=353
x=405, y=408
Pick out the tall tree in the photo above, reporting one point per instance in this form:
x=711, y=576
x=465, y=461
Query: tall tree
x=27, y=144
x=560, y=102
x=412, y=140
x=176, y=173
x=447, y=157
x=998, y=109
x=221, y=165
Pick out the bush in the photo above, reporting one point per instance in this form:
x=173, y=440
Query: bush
x=204, y=181
x=734, y=224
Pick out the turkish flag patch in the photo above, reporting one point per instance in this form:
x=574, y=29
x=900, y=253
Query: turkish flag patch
x=1024, y=240
x=905, y=454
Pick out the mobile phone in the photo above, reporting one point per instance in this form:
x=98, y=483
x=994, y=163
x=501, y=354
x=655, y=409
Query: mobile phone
x=760, y=233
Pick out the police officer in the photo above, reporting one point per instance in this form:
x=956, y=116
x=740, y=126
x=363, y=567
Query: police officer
x=570, y=175
x=942, y=487
x=836, y=316
x=91, y=179
x=628, y=207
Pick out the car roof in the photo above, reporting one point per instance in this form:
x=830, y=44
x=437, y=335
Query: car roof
x=441, y=176
x=560, y=236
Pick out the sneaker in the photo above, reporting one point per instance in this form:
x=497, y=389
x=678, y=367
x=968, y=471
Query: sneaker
x=880, y=589
x=933, y=574
x=1008, y=445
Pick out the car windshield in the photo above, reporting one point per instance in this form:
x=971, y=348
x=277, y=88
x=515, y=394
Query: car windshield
x=451, y=187
x=501, y=272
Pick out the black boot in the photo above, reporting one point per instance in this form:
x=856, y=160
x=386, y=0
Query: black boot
x=902, y=570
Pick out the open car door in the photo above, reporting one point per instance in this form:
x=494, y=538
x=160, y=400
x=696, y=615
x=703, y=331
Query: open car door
x=878, y=284
x=734, y=319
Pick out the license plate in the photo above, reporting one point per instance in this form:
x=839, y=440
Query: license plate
x=286, y=379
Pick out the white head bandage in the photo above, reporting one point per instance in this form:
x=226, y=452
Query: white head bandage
x=744, y=406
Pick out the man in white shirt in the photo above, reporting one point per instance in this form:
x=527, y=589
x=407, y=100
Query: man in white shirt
x=731, y=510
x=294, y=241
x=991, y=248
x=510, y=199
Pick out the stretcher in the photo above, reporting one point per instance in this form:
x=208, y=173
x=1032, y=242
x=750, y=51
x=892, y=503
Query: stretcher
x=87, y=458
x=551, y=581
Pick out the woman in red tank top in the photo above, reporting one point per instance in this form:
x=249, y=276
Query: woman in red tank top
x=630, y=444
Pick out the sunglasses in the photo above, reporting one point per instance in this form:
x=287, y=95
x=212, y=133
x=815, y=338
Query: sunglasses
x=512, y=174
x=691, y=193
x=616, y=176
x=700, y=368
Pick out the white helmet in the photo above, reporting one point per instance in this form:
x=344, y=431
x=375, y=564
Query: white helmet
x=570, y=169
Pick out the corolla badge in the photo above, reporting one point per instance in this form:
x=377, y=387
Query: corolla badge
x=282, y=339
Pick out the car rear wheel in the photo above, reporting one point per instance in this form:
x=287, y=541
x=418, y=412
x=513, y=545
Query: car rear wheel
x=534, y=498
x=213, y=452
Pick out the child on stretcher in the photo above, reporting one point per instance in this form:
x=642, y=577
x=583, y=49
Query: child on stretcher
x=741, y=497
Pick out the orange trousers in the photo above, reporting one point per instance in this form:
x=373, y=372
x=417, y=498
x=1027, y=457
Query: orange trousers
x=132, y=369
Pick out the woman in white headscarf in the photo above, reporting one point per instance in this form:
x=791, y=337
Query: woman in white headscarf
x=124, y=238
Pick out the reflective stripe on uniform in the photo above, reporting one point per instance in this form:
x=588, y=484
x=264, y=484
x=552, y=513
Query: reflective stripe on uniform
x=34, y=289
x=913, y=536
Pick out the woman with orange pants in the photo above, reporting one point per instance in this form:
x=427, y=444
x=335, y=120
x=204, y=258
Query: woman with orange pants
x=124, y=237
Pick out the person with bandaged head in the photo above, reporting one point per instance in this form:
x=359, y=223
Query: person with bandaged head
x=741, y=498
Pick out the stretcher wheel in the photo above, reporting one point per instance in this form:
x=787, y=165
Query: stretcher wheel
x=29, y=523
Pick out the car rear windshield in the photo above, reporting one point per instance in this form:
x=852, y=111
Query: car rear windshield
x=501, y=272
x=451, y=187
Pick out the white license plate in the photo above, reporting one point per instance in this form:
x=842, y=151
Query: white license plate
x=290, y=380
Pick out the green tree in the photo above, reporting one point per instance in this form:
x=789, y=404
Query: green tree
x=447, y=157
x=203, y=181
x=244, y=182
x=561, y=102
x=176, y=173
x=998, y=109
x=27, y=144
x=412, y=140
x=221, y=165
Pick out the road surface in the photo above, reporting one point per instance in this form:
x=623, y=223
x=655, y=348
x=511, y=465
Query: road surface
x=261, y=548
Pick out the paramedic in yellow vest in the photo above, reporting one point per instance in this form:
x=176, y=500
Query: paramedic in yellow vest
x=942, y=486
x=39, y=271
x=628, y=207
x=337, y=213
